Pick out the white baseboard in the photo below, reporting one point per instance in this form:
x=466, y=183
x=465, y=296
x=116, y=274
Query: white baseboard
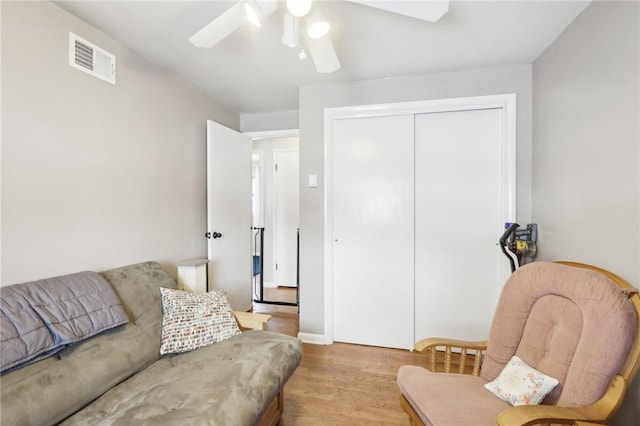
x=315, y=339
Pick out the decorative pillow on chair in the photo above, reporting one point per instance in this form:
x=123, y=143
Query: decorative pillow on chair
x=191, y=321
x=521, y=384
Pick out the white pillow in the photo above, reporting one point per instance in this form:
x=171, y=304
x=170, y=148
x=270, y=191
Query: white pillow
x=191, y=321
x=521, y=384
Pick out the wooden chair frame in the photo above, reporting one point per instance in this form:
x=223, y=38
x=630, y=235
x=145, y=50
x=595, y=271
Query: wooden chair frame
x=456, y=356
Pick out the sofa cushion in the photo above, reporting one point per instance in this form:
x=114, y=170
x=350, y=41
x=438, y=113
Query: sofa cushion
x=449, y=399
x=573, y=324
x=137, y=287
x=50, y=390
x=227, y=383
x=191, y=321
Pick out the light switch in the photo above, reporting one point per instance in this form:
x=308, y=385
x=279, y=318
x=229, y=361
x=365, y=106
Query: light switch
x=313, y=181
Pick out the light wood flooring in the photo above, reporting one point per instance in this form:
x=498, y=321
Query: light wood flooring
x=339, y=384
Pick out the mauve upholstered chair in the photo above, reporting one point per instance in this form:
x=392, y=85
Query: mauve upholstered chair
x=574, y=322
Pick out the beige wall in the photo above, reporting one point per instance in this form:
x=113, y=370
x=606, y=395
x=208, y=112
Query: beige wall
x=314, y=99
x=586, y=148
x=95, y=176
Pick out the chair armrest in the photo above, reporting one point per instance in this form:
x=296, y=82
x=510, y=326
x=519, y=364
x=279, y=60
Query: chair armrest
x=430, y=342
x=454, y=352
x=598, y=412
x=251, y=321
x=539, y=414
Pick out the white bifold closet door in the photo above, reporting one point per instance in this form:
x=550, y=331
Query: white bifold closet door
x=373, y=231
x=417, y=212
x=458, y=202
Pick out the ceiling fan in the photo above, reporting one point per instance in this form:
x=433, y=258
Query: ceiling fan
x=305, y=14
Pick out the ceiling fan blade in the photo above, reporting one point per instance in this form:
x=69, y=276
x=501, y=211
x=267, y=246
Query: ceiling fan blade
x=216, y=30
x=323, y=54
x=428, y=10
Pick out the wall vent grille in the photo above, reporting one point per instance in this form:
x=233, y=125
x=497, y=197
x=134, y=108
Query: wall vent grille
x=89, y=58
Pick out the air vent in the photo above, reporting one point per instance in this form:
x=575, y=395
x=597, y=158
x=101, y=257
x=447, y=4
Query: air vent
x=88, y=57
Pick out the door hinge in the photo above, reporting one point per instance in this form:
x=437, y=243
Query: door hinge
x=276, y=167
x=276, y=266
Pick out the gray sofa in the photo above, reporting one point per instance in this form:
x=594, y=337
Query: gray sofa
x=118, y=377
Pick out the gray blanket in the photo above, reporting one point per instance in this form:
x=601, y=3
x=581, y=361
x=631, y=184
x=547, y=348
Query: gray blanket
x=40, y=318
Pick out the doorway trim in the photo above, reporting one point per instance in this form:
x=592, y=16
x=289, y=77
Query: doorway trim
x=273, y=134
x=277, y=134
x=505, y=102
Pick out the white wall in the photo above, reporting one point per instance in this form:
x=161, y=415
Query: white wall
x=267, y=147
x=272, y=121
x=95, y=176
x=586, y=141
x=314, y=99
x=586, y=150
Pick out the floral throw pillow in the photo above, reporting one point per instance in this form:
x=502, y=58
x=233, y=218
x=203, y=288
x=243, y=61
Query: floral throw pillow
x=191, y=321
x=521, y=384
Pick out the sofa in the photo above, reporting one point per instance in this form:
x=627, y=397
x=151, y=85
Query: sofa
x=115, y=374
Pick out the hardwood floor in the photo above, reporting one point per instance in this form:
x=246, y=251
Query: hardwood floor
x=341, y=384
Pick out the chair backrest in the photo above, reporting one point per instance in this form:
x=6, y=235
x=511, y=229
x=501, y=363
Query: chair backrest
x=574, y=322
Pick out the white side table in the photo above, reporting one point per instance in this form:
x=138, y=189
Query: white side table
x=192, y=275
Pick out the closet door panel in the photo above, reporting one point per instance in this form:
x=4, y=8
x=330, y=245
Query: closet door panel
x=458, y=204
x=373, y=214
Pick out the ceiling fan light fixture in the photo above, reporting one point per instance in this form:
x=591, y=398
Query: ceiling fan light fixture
x=317, y=25
x=254, y=13
x=299, y=8
x=290, y=30
x=318, y=29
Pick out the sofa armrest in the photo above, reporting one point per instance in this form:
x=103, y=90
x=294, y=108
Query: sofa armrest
x=251, y=321
x=447, y=352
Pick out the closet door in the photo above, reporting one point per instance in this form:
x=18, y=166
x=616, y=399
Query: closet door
x=373, y=215
x=459, y=219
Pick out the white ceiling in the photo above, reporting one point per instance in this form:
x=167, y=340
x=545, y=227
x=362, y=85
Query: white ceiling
x=251, y=71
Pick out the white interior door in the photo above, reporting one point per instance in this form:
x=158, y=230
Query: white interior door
x=229, y=213
x=373, y=216
x=287, y=216
x=459, y=205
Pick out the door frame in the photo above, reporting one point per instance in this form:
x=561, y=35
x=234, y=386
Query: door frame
x=259, y=153
x=274, y=134
x=505, y=102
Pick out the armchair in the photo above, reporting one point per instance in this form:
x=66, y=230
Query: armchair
x=574, y=322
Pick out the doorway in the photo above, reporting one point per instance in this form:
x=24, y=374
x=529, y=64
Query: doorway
x=275, y=190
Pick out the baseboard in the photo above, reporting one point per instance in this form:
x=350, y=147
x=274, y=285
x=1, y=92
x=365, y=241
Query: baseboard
x=314, y=339
x=265, y=284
